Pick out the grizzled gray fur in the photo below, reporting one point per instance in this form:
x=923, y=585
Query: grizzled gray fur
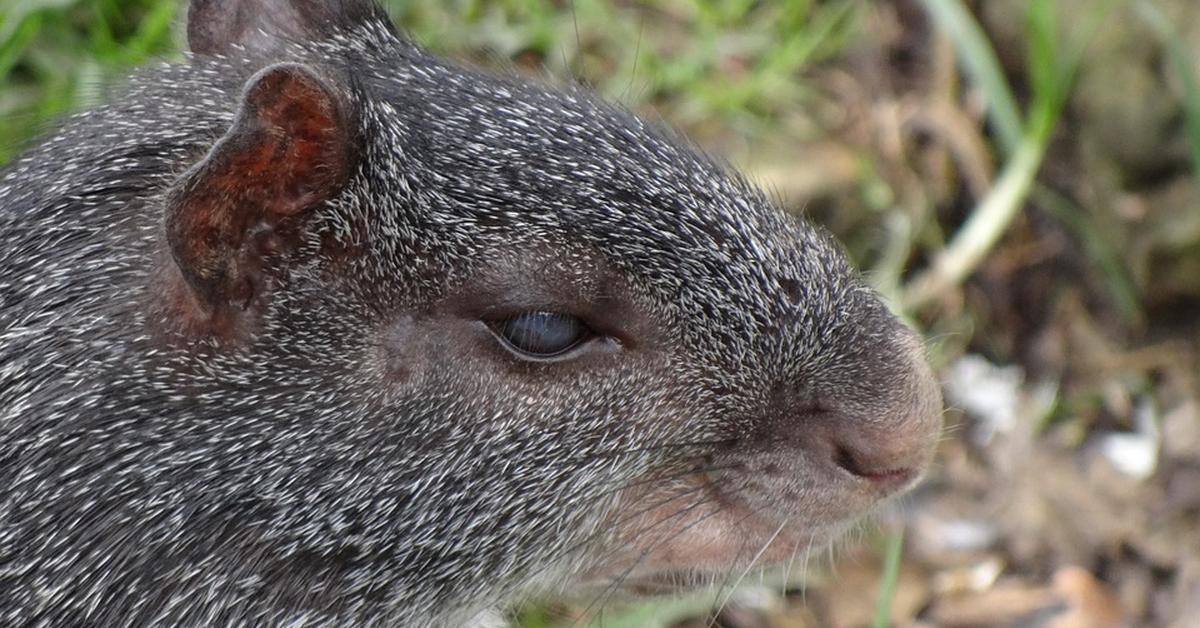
x=251, y=372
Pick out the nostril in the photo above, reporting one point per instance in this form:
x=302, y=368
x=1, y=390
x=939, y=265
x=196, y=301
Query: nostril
x=879, y=442
x=860, y=466
x=844, y=459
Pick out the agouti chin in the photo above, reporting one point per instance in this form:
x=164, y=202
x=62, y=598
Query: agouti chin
x=318, y=329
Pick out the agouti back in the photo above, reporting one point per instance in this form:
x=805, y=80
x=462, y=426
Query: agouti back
x=319, y=329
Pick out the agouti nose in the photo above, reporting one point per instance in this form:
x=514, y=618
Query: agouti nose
x=889, y=459
x=880, y=425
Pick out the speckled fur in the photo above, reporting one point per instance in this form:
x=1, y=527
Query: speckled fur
x=295, y=480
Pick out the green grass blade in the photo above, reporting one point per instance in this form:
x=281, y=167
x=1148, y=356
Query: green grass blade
x=891, y=575
x=1043, y=45
x=1099, y=247
x=991, y=217
x=1184, y=68
x=17, y=40
x=152, y=34
x=983, y=228
x=980, y=62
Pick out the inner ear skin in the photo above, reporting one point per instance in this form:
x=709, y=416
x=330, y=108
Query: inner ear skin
x=246, y=203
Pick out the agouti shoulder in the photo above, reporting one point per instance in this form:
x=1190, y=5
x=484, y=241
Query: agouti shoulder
x=319, y=329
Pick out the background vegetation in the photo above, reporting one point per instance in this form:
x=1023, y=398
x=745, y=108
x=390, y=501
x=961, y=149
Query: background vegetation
x=1017, y=175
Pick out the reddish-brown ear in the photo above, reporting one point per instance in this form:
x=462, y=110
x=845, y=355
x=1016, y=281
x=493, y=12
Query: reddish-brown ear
x=287, y=152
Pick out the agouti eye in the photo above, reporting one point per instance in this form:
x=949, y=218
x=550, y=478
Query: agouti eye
x=542, y=334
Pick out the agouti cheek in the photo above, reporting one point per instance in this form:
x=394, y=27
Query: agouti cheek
x=412, y=348
x=416, y=352
x=395, y=360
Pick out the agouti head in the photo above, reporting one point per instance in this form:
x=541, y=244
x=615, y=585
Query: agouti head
x=401, y=340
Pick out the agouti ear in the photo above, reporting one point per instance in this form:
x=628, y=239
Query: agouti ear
x=217, y=26
x=287, y=151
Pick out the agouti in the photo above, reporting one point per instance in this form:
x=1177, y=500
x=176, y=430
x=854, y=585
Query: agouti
x=319, y=329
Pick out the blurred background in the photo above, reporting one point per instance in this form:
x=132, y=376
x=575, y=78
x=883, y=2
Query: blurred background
x=1017, y=176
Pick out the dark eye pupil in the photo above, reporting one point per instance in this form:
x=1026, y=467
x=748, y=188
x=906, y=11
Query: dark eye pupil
x=543, y=334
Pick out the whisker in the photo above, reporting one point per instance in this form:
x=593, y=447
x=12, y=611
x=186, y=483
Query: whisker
x=632, y=538
x=624, y=519
x=654, y=448
x=749, y=567
x=651, y=478
x=600, y=601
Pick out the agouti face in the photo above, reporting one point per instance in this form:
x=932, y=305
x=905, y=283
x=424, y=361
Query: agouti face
x=726, y=387
x=705, y=420
x=327, y=330
x=701, y=446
